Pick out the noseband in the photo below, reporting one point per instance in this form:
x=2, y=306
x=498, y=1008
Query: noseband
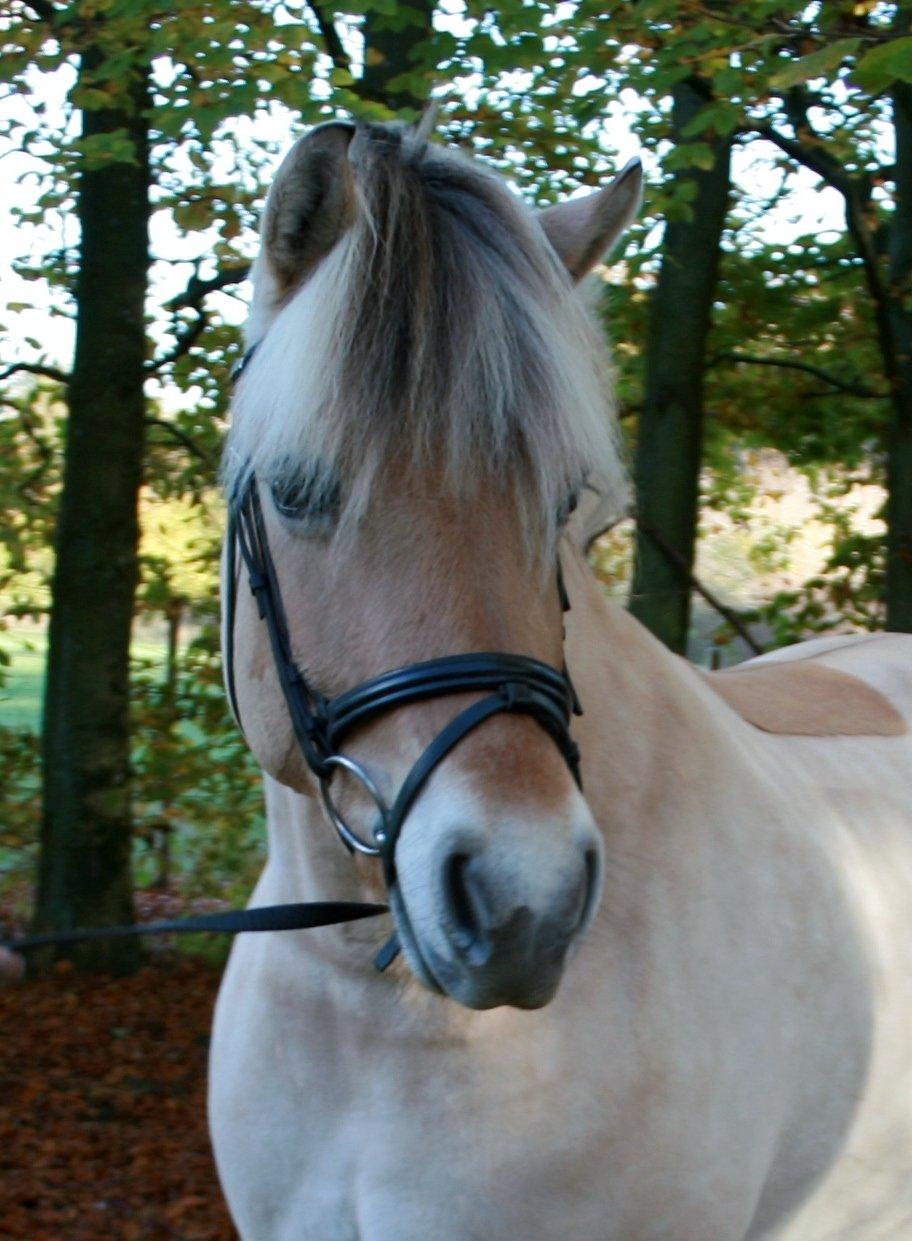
x=518, y=684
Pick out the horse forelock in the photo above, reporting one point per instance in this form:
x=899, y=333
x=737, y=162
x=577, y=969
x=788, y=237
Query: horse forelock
x=440, y=331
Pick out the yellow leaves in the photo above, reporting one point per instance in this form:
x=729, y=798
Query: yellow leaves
x=194, y=213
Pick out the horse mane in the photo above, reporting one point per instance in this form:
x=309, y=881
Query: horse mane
x=441, y=331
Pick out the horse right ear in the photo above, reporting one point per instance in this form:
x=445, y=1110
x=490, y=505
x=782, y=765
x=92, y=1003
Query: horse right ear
x=311, y=203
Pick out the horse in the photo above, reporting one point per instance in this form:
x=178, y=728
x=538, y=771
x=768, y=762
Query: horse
x=655, y=978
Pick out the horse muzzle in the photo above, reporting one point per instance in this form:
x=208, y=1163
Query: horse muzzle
x=493, y=921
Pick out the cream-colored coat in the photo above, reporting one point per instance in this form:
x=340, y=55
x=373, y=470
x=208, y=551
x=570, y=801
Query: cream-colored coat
x=729, y=1055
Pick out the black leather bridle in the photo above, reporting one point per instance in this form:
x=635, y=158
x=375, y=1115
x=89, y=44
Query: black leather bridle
x=518, y=684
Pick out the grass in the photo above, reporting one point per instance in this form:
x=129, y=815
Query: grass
x=23, y=682
x=20, y=695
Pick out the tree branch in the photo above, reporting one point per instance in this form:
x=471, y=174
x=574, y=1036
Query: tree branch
x=674, y=556
x=45, y=11
x=198, y=289
x=182, y=438
x=184, y=342
x=334, y=48
x=811, y=156
x=34, y=368
x=808, y=149
x=790, y=364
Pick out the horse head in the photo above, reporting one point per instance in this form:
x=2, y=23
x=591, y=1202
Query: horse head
x=425, y=400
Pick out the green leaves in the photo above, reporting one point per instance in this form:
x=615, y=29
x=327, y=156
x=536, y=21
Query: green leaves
x=822, y=63
x=720, y=116
x=891, y=62
x=101, y=150
x=691, y=155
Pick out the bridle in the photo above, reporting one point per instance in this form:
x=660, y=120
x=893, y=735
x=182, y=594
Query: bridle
x=518, y=684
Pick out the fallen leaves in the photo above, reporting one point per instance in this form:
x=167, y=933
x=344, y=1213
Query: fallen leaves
x=103, y=1107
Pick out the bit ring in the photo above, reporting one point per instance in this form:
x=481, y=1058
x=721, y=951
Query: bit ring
x=350, y=837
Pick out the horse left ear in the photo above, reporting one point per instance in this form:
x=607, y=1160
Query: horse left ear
x=582, y=230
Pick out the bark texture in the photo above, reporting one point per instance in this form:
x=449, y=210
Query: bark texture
x=85, y=871
x=670, y=428
x=391, y=51
x=898, y=590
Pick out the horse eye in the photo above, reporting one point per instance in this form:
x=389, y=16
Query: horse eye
x=567, y=508
x=306, y=497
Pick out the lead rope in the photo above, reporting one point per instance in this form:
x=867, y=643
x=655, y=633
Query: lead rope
x=293, y=917
x=297, y=917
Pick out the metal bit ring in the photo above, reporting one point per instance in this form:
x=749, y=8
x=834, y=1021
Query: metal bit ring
x=350, y=837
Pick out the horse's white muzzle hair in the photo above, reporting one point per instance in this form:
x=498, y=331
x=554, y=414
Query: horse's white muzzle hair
x=490, y=905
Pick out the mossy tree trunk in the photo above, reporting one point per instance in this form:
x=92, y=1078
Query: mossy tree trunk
x=898, y=590
x=670, y=428
x=85, y=871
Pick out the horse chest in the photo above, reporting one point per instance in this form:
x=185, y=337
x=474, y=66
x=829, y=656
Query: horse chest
x=364, y=1136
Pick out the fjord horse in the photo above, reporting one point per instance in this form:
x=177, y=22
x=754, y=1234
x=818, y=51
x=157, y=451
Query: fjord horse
x=673, y=1002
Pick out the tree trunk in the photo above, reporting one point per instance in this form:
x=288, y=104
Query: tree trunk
x=388, y=55
x=898, y=591
x=85, y=871
x=174, y=615
x=670, y=429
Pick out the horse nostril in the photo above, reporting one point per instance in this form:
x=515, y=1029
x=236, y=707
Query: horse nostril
x=592, y=883
x=465, y=909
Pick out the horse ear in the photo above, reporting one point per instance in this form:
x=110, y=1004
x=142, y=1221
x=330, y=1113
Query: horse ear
x=582, y=230
x=311, y=203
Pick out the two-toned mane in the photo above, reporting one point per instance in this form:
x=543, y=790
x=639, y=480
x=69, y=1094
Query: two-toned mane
x=655, y=926
x=443, y=331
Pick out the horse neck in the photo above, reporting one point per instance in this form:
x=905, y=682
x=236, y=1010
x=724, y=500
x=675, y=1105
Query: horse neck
x=668, y=764
x=635, y=691
x=306, y=859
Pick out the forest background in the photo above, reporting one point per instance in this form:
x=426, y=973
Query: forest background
x=760, y=312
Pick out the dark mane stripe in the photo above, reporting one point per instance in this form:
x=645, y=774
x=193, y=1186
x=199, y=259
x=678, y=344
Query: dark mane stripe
x=441, y=330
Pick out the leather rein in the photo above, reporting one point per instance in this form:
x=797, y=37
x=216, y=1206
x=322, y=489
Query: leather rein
x=517, y=684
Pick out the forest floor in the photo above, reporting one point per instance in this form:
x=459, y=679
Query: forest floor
x=103, y=1106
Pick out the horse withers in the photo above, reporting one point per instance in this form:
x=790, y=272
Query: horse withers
x=670, y=999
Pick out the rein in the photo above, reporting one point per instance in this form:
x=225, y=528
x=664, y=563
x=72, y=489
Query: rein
x=519, y=684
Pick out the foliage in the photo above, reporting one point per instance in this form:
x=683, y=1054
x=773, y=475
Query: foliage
x=19, y=813
x=199, y=816
x=199, y=821
x=847, y=594
x=529, y=86
x=30, y=440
